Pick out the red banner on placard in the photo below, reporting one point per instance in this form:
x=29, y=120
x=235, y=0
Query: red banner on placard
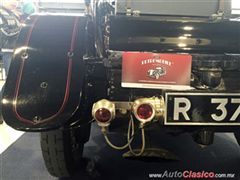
x=154, y=70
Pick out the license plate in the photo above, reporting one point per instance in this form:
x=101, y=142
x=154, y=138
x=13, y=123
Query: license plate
x=212, y=109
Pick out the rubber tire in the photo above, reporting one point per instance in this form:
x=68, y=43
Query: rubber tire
x=60, y=157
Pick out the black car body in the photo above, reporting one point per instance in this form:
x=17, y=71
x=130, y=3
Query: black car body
x=68, y=70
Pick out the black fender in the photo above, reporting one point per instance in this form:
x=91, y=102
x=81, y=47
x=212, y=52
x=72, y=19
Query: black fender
x=44, y=85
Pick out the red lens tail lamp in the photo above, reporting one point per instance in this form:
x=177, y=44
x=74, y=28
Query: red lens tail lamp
x=146, y=109
x=103, y=112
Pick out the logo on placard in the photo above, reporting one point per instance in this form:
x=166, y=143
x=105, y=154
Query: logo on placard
x=156, y=73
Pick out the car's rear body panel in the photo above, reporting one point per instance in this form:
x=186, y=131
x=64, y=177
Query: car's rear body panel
x=168, y=34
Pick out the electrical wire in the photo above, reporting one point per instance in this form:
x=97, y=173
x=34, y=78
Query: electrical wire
x=129, y=139
x=143, y=142
x=130, y=136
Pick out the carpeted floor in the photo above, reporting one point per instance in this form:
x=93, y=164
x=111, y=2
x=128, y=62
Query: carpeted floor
x=23, y=160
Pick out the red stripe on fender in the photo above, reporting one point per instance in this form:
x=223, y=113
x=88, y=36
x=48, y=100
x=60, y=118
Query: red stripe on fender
x=68, y=83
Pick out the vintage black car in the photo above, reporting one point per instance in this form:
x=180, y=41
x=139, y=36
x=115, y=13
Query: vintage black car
x=71, y=70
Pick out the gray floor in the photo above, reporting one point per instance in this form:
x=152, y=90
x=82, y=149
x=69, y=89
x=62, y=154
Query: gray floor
x=23, y=160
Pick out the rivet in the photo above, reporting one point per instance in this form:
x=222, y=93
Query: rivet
x=24, y=55
x=36, y=119
x=70, y=54
x=44, y=85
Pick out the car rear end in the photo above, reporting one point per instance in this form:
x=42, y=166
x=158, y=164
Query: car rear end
x=173, y=73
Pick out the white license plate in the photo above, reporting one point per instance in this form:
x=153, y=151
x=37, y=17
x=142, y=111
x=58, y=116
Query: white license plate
x=212, y=109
